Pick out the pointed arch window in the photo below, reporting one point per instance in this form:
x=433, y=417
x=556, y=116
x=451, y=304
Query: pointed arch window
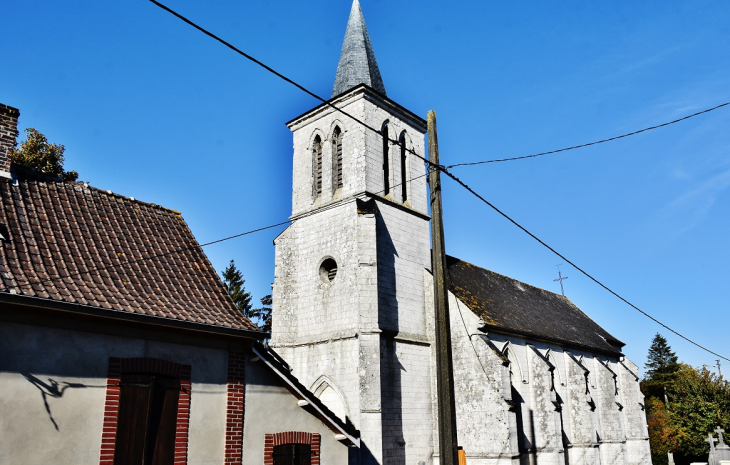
x=317, y=166
x=386, y=162
x=336, y=158
x=403, y=166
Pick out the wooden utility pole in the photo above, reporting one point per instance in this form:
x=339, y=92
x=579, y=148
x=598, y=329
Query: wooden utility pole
x=444, y=365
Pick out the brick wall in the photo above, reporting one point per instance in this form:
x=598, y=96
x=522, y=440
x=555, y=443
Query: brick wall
x=8, y=134
x=235, y=407
x=119, y=366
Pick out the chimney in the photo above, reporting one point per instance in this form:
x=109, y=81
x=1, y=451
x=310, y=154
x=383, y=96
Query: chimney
x=8, y=133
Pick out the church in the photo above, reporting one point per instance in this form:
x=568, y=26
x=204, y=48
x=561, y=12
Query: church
x=536, y=380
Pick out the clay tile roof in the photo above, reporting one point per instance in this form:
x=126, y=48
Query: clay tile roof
x=510, y=306
x=65, y=238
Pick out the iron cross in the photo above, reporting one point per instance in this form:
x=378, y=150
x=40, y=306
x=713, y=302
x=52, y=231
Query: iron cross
x=560, y=279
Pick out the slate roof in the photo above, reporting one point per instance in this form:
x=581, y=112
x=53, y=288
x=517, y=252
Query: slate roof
x=510, y=306
x=357, y=60
x=62, y=240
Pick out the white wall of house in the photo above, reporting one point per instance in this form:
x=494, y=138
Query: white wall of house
x=53, y=391
x=271, y=408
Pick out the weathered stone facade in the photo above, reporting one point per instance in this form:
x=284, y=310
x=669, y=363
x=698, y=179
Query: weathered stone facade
x=364, y=333
x=360, y=336
x=363, y=341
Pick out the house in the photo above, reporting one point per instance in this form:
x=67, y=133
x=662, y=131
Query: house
x=119, y=343
x=536, y=380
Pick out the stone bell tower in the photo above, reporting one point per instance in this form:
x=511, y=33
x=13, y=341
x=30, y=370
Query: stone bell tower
x=349, y=311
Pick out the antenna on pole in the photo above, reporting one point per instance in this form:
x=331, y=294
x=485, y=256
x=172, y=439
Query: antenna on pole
x=560, y=279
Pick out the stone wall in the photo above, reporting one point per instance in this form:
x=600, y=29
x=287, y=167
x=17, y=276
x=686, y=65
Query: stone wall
x=364, y=333
x=521, y=401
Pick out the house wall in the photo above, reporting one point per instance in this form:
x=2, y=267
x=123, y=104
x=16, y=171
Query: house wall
x=271, y=408
x=53, y=391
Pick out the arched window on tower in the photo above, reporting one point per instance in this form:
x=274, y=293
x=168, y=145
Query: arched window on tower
x=336, y=158
x=403, y=166
x=386, y=162
x=317, y=167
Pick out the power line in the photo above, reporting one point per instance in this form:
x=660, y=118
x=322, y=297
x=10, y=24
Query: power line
x=149, y=257
x=278, y=74
x=190, y=247
x=591, y=143
x=465, y=186
x=449, y=174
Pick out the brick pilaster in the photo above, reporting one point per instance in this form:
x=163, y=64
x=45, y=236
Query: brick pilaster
x=235, y=408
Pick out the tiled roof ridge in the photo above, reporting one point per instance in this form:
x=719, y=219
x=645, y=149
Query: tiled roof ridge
x=515, y=280
x=502, y=315
x=68, y=240
x=32, y=174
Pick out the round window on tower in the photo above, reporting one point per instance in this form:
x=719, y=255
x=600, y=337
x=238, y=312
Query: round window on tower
x=328, y=270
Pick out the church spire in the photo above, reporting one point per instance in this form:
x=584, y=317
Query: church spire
x=357, y=59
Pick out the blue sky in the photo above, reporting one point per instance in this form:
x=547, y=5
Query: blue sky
x=148, y=107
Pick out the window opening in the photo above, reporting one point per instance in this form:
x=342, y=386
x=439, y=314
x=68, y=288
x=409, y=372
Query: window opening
x=317, y=165
x=386, y=164
x=328, y=270
x=337, y=158
x=403, y=170
x=292, y=454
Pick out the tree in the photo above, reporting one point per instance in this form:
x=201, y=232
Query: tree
x=36, y=152
x=699, y=401
x=660, y=431
x=234, y=282
x=263, y=314
x=661, y=368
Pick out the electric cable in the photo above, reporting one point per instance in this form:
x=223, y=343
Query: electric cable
x=278, y=74
x=591, y=143
x=190, y=247
x=585, y=273
x=449, y=174
x=466, y=330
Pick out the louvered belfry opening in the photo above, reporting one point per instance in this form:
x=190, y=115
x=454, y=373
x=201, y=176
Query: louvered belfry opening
x=317, y=165
x=386, y=162
x=328, y=270
x=337, y=159
x=403, y=167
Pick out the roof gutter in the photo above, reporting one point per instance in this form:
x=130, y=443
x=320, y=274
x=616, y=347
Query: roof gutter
x=123, y=316
x=487, y=328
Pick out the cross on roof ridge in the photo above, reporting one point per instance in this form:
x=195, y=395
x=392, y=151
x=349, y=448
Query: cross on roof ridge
x=357, y=60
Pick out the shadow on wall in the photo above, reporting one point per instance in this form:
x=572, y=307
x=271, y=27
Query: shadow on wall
x=391, y=389
x=52, y=389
